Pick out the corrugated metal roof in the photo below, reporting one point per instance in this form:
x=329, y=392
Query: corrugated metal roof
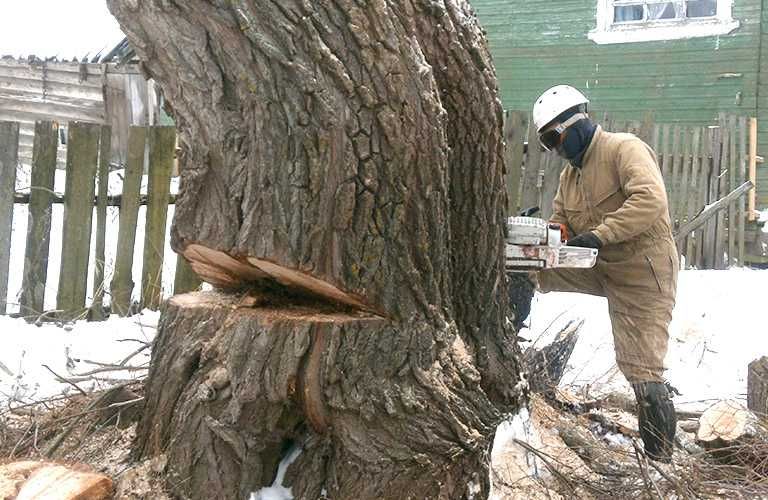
x=33, y=90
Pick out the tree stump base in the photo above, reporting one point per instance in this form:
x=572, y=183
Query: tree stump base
x=380, y=411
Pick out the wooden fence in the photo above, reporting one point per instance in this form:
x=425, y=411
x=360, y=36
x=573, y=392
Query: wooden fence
x=86, y=187
x=700, y=165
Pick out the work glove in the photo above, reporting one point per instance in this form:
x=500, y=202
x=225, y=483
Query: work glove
x=585, y=240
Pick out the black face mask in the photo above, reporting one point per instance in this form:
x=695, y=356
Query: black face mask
x=576, y=141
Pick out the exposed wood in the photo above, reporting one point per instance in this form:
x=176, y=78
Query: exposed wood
x=162, y=146
x=35, y=274
x=751, y=213
x=122, y=281
x=185, y=280
x=99, y=285
x=9, y=144
x=711, y=210
x=742, y=213
x=514, y=136
x=82, y=162
x=48, y=481
x=757, y=387
x=728, y=423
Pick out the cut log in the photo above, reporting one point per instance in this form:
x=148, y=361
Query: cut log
x=757, y=387
x=734, y=435
x=726, y=423
x=546, y=366
x=49, y=481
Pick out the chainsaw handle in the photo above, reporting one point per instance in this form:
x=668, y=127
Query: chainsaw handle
x=530, y=211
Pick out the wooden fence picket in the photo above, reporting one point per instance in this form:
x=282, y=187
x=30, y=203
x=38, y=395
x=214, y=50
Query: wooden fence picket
x=9, y=153
x=722, y=190
x=529, y=196
x=82, y=162
x=514, y=135
x=42, y=183
x=692, y=200
x=741, y=211
x=185, y=279
x=105, y=146
x=733, y=183
x=122, y=284
x=162, y=145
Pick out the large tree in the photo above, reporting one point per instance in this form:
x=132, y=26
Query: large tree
x=342, y=187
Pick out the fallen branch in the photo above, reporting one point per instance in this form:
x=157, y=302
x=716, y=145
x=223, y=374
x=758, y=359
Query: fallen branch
x=66, y=380
x=710, y=210
x=109, y=368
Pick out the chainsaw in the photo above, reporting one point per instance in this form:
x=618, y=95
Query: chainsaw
x=534, y=244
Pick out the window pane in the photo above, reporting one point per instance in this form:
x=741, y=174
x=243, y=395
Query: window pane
x=702, y=8
x=627, y=13
x=661, y=10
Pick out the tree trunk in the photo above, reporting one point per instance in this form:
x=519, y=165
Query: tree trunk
x=342, y=185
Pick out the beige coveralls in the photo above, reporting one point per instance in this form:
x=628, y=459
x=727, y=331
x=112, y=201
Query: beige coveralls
x=619, y=194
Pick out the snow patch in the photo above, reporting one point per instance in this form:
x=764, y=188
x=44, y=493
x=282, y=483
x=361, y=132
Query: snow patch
x=69, y=352
x=277, y=491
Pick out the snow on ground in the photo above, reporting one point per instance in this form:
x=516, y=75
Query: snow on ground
x=70, y=352
x=277, y=491
x=716, y=331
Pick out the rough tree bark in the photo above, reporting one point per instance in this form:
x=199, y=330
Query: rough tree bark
x=342, y=186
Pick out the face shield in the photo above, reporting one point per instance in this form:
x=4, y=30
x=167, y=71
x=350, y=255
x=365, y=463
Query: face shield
x=551, y=138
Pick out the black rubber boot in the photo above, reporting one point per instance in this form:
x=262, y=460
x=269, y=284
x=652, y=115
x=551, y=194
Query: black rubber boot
x=657, y=419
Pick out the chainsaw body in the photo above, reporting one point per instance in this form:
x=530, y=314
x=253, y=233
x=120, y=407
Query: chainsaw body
x=533, y=244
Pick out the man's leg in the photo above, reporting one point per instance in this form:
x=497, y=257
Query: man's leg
x=641, y=296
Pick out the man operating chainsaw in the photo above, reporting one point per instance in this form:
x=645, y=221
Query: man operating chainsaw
x=611, y=197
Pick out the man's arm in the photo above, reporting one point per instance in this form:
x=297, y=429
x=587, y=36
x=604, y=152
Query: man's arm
x=643, y=186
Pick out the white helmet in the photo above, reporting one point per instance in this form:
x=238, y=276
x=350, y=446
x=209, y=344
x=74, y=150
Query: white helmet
x=553, y=102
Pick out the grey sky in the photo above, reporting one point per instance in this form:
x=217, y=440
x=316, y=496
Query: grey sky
x=63, y=28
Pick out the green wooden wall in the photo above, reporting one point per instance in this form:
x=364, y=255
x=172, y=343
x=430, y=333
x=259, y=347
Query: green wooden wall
x=540, y=43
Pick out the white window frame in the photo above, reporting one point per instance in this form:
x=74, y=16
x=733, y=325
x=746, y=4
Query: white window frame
x=664, y=29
